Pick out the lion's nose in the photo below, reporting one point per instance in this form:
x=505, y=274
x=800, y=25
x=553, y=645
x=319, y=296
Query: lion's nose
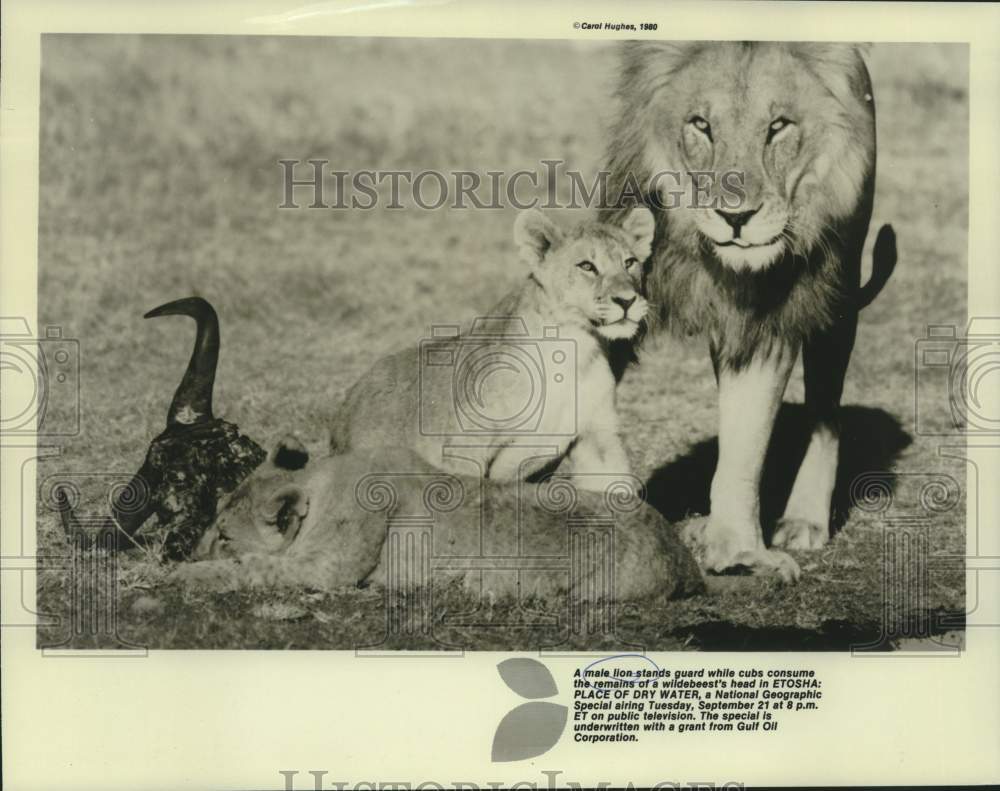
x=623, y=302
x=736, y=219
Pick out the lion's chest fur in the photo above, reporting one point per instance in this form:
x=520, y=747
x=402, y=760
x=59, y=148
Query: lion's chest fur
x=743, y=313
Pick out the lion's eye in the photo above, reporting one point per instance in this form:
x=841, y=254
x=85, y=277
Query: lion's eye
x=701, y=125
x=587, y=266
x=630, y=262
x=776, y=126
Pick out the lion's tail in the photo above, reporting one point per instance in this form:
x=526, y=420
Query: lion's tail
x=883, y=264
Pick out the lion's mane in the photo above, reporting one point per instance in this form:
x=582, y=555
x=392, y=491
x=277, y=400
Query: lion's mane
x=743, y=312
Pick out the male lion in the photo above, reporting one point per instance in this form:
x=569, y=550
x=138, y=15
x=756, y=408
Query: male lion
x=329, y=523
x=532, y=383
x=788, y=129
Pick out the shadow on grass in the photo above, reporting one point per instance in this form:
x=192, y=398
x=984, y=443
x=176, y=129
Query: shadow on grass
x=924, y=630
x=871, y=440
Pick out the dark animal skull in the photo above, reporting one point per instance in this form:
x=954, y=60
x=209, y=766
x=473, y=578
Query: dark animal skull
x=196, y=460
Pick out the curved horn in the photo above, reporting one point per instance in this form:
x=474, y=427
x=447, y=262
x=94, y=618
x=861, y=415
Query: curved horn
x=193, y=399
x=135, y=503
x=71, y=525
x=129, y=512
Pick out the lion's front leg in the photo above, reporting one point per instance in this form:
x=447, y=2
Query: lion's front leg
x=748, y=403
x=806, y=521
x=596, y=456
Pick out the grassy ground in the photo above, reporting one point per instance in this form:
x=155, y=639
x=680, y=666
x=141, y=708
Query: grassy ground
x=159, y=179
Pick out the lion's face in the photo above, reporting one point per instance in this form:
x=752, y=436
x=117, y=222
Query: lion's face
x=778, y=133
x=593, y=271
x=261, y=516
x=264, y=513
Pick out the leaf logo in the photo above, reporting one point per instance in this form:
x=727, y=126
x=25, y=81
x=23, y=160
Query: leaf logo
x=531, y=728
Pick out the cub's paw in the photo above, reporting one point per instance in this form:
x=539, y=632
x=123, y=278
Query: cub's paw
x=794, y=533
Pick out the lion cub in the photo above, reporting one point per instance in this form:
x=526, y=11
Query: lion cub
x=530, y=385
x=322, y=524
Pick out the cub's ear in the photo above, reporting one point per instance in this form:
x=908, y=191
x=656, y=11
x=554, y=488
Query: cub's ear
x=640, y=226
x=285, y=510
x=535, y=234
x=289, y=454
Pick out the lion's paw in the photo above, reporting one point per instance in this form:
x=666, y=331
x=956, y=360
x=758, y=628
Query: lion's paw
x=794, y=533
x=768, y=562
x=717, y=550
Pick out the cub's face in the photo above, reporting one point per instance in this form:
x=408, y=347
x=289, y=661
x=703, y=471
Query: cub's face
x=592, y=272
x=264, y=513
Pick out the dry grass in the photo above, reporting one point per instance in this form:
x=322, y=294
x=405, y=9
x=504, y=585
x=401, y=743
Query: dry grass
x=159, y=179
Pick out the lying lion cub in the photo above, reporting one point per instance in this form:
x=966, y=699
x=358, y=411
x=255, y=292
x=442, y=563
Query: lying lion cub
x=388, y=517
x=532, y=383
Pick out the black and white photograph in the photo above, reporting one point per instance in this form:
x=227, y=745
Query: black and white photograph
x=454, y=344
x=611, y=390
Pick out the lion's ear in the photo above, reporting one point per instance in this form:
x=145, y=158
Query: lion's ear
x=535, y=234
x=285, y=510
x=840, y=66
x=640, y=225
x=289, y=454
x=649, y=59
x=841, y=54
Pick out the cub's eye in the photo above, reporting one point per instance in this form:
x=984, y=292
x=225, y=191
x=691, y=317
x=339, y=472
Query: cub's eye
x=630, y=262
x=586, y=266
x=776, y=126
x=701, y=125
